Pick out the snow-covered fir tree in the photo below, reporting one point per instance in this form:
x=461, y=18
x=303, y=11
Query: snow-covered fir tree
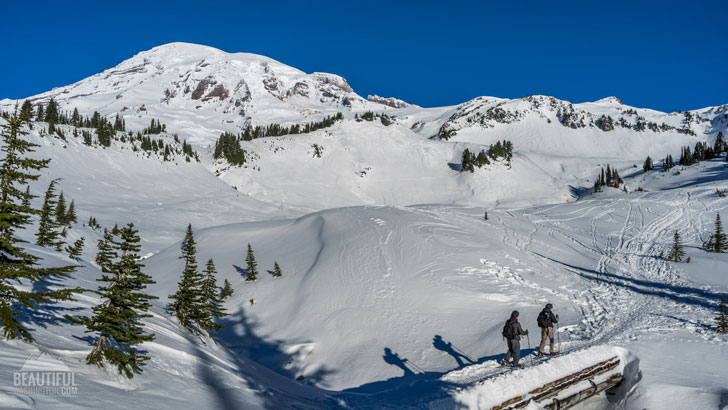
x=71, y=213
x=212, y=301
x=48, y=234
x=252, y=266
x=721, y=318
x=187, y=303
x=676, y=251
x=717, y=241
x=277, y=273
x=227, y=290
x=117, y=319
x=16, y=264
x=61, y=210
x=75, y=250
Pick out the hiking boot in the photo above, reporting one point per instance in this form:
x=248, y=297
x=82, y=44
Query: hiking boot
x=554, y=353
x=517, y=366
x=540, y=355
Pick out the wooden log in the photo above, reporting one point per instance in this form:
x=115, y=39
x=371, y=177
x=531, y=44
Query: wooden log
x=577, y=378
x=580, y=396
x=563, y=379
x=555, y=387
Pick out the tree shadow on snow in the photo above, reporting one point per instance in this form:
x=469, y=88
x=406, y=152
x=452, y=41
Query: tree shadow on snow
x=283, y=385
x=43, y=315
x=242, y=271
x=679, y=294
x=706, y=175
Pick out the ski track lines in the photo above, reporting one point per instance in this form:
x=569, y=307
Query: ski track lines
x=614, y=307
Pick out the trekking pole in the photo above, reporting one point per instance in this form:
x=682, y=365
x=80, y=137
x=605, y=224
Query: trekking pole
x=460, y=351
x=414, y=366
x=558, y=337
x=530, y=353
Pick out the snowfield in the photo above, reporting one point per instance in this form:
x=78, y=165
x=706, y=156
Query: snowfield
x=394, y=288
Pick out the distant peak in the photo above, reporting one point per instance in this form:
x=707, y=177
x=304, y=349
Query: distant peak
x=391, y=101
x=610, y=100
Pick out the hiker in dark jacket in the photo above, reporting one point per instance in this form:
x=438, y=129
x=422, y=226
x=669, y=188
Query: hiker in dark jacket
x=512, y=331
x=546, y=320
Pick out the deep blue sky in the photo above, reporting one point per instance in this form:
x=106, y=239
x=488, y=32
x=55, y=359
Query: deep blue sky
x=664, y=55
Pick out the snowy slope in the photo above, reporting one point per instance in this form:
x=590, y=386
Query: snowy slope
x=366, y=287
x=382, y=242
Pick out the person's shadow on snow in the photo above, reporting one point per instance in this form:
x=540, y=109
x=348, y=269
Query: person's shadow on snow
x=447, y=347
x=394, y=359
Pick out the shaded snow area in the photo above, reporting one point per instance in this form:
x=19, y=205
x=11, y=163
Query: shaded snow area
x=395, y=288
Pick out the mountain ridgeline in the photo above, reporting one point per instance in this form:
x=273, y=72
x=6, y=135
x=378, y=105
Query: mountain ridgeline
x=252, y=120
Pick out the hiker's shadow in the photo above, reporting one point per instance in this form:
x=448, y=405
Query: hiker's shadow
x=393, y=358
x=447, y=347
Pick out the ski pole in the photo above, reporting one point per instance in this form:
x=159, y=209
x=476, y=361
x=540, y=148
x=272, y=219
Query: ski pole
x=414, y=366
x=529, y=348
x=459, y=350
x=558, y=337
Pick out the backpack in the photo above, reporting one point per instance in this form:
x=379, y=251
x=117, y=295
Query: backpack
x=508, y=330
x=543, y=319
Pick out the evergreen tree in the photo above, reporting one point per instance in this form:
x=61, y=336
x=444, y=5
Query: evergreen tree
x=40, y=115
x=117, y=319
x=227, y=290
x=75, y=118
x=71, y=213
x=75, y=250
x=647, y=166
x=277, y=270
x=61, y=210
x=212, y=301
x=721, y=244
x=16, y=264
x=718, y=241
x=26, y=111
x=721, y=319
x=720, y=144
x=676, y=252
x=25, y=201
x=51, y=112
x=252, y=265
x=467, y=161
x=485, y=217
x=48, y=233
x=187, y=302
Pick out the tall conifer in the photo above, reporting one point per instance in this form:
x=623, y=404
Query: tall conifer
x=117, y=319
x=721, y=319
x=212, y=301
x=252, y=266
x=48, y=230
x=676, y=252
x=187, y=302
x=17, y=265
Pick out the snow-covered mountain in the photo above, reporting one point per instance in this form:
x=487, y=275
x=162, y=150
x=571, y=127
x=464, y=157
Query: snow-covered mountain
x=199, y=92
x=395, y=287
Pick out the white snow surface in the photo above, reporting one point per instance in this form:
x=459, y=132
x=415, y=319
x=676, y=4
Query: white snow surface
x=382, y=242
x=494, y=391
